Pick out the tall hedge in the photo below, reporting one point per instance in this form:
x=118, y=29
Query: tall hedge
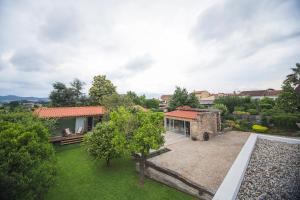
x=27, y=160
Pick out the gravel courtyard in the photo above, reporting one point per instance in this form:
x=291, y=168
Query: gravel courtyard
x=273, y=172
x=204, y=162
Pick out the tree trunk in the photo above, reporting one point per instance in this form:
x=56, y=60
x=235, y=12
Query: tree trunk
x=142, y=169
x=108, y=162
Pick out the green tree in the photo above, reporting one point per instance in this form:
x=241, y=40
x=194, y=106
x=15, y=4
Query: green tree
x=222, y=108
x=101, y=87
x=152, y=103
x=27, y=158
x=294, y=78
x=193, y=100
x=148, y=135
x=61, y=95
x=134, y=97
x=181, y=97
x=99, y=143
x=233, y=101
x=288, y=100
x=115, y=100
x=266, y=103
x=138, y=132
x=77, y=87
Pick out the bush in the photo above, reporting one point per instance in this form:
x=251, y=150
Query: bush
x=245, y=125
x=253, y=111
x=286, y=120
x=259, y=128
x=222, y=108
x=241, y=113
x=232, y=124
x=27, y=158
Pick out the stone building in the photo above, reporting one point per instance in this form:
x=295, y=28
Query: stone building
x=200, y=124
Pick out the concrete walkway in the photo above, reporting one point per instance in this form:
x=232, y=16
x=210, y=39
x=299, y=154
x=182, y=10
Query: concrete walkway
x=172, y=138
x=204, y=162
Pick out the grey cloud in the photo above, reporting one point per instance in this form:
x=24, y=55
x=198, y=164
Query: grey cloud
x=30, y=60
x=247, y=18
x=60, y=25
x=133, y=67
x=140, y=63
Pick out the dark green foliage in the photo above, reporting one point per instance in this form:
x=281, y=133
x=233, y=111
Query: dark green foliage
x=288, y=100
x=235, y=101
x=99, y=143
x=222, y=108
x=135, y=98
x=67, y=96
x=101, y=87
x=142, y=101
x=27, y=158
x=181, y=97
x=114, y=101
x=286, y=120
x=253, y=111
x=152, y=103
x=294, y=78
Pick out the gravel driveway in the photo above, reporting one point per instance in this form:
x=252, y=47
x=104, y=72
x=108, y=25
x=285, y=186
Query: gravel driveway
x=273, y=172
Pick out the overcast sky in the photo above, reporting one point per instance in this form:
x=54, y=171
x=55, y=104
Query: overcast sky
x=148, y=46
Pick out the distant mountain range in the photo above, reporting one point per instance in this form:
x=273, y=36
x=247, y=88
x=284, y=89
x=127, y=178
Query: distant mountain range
x=9, y=98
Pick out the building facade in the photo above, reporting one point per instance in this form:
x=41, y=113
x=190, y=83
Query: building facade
x=199, y=124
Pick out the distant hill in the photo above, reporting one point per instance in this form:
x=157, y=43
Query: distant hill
x=9, y=98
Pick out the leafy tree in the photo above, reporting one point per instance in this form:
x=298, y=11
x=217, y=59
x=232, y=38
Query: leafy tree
x=288, y=100
x=77, y=87
x=266, y=103
x=138, y=132
x=222, y=108
x=233, y=101
x=134, y=97
x=152, y=103
x=27, y=158
x=148, y=135
x=101, y=87
x=99, y=143
x=181, y=97
x=294, y=78
x=115, y=100
x=193, y=100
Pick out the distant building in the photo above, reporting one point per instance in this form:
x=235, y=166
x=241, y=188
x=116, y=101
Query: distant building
x=164, y=102
x=259, y=94
x=201, y=94
x=206, y=98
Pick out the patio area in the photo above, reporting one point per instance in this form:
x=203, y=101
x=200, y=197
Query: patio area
x=203, y=162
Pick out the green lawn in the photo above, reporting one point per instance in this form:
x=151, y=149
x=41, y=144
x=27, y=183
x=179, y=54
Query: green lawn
x=80, y=177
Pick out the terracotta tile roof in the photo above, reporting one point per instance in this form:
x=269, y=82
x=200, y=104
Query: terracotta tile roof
x=268, y=92
x=60, y=112
x=186, y=114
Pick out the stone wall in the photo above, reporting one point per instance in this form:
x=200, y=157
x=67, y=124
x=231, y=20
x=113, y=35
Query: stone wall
x=206, y=122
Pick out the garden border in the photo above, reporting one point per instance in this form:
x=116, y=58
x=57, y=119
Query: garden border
x=233, y=179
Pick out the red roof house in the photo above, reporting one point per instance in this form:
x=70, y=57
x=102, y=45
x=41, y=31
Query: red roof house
x=63, y=112
x=72, y=119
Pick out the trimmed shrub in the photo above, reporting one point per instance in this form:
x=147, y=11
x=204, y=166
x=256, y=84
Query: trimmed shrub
x=259, y=128
x=253, y=111
x=286, y=120
x=232, y=124
x=241, y=113
x=222, y=108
